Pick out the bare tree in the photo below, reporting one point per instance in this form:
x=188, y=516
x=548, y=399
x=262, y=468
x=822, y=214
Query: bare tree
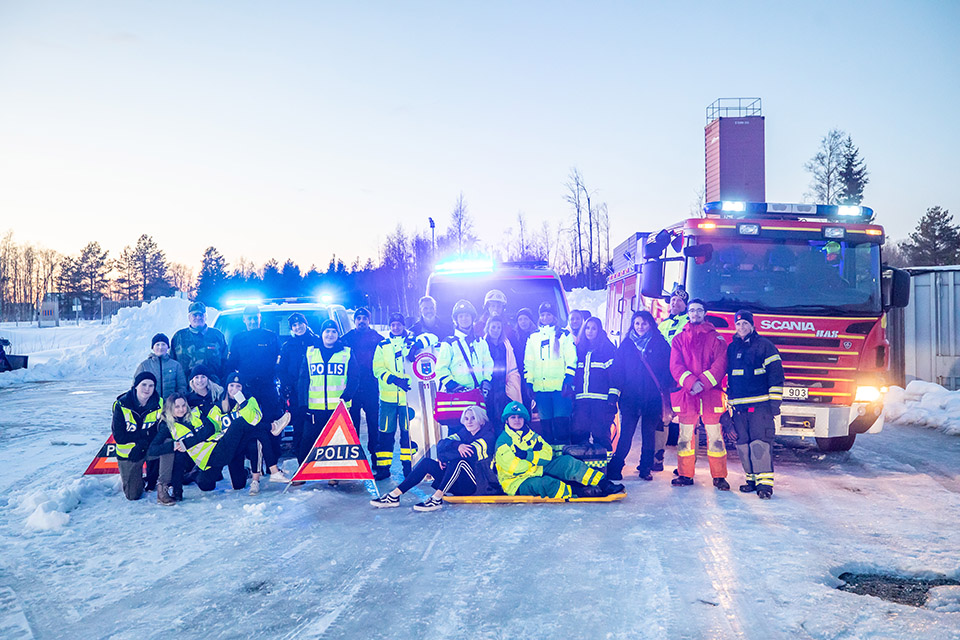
x=181, y=277
x=575, y=189
x=826, y=185
x=461, y=226
x=696, y=207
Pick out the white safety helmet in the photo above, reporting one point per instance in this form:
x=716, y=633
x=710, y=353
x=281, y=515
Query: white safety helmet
x=495, y=295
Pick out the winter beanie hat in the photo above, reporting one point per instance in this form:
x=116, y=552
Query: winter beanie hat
x=233, y=377
x=527, y=312
x=296, y=317
x=744, y=315
x=360, y=312
x=329, y=324
x=396, y=316
x=144, y=375
x=199, y=370
x=160, y=338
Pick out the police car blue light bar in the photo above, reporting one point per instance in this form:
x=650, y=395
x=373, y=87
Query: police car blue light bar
x=465, y=265
x=851, y=213
x=244, y=302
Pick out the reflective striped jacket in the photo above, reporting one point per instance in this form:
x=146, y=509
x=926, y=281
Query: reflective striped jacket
x=199, y=437
x=134, y=427
x=672, y=326
x=754, y=371
x=548, y=364
x=481, y=463
x=388, y=360
x=594, y=377
x=511, y=470
x=452, y=367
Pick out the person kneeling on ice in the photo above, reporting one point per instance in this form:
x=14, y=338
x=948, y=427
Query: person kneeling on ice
x=465, y=466
x=526, y=465
x=136, y=414
x=244, y=413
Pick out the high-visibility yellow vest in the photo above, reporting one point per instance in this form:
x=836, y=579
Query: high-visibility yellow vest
x=199, y=453
x=546, y=368
x=328, y=380
x=124, y=450
x=511, y=470
x=672, y=326
x=249, y=410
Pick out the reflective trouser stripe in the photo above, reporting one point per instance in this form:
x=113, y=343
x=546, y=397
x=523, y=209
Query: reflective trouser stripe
x=591, y=477
x=405, y=454
x=384, y=458
x=751, y=477
x=765, y=479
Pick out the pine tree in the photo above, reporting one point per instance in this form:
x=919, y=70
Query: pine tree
x=853, y=174
x=213, y=272
x=935, y=242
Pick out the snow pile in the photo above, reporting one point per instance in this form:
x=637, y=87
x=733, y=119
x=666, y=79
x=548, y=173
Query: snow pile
x=255, y=510
x=117, y=349
x=593, y=301
x=944, y=599
x=49, y=510
x=924, y=404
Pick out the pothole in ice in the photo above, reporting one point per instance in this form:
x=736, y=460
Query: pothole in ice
x=911, y=591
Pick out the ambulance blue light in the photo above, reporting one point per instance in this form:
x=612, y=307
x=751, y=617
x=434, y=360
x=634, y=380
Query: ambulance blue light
x=326, y=298
x=465, y=265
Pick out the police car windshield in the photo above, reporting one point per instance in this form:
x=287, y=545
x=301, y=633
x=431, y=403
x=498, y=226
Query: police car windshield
x=520, y=292
x=787, y=276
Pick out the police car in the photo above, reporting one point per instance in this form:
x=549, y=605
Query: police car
x=275, y=312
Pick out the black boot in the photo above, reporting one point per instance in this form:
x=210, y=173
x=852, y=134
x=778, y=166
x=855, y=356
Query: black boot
x=581, y=491
x=748, y=487
x=681, y=481
x=608, y=487
x=764, y=492
x=721, y=484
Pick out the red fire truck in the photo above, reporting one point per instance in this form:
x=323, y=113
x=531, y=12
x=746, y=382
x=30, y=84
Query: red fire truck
x=813, y=278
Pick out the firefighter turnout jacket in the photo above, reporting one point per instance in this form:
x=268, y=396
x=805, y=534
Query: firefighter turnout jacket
x=754, y=372
x=452, y=367
x=388, y=360
x=549, y=358
x=698, y=354
x=513, y=470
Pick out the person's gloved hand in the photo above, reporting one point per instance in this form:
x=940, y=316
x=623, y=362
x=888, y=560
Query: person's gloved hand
x=414, y=351
x=520, y=453
x=538, y=446
x=452, y=386
x=397, y=381
x=485, y=388
x=568, y=381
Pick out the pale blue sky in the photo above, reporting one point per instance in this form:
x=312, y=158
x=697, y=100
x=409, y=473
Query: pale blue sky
x=302, y=129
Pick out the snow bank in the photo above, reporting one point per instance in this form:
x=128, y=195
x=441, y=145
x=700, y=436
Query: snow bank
x=944, y=599
x=49, y=509
x=116, y=350
x=924, y=404
x=593, y=301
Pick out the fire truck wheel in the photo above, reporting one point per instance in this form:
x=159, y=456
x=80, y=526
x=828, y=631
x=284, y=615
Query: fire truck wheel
x=842, y=443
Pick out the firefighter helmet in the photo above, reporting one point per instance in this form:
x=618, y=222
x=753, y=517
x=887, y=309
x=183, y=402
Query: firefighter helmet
x=495, y=295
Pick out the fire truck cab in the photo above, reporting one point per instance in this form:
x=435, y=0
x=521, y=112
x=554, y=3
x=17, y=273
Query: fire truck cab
x=812, y=276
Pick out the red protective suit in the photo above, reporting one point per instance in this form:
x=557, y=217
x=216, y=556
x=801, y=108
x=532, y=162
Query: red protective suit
x=698, y=353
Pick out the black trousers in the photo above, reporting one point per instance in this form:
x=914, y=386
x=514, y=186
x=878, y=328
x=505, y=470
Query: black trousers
x=630, y=418
x=457, y=479
x=313, y=423
x=367, y=400
x=223, y=454
x=592, y=418
x=265, y=391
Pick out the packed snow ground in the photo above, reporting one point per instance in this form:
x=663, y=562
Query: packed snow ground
x=79, y=561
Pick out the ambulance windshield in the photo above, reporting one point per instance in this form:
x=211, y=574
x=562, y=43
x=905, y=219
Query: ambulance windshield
x=815, y=276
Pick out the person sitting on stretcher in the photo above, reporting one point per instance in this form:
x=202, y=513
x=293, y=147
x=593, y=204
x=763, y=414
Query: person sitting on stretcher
x=526, y=465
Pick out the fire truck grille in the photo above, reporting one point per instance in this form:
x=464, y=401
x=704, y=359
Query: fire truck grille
x=806, y=342
x=819, y=358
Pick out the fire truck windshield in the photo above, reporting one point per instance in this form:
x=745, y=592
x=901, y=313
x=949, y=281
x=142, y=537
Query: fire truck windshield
x=786, y=276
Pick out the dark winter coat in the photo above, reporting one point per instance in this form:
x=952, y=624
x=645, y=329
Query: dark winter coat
x=363, y=344
x=206, y=345
x=481, y=462
x=754, y=372
x=143, y=434
x=168, y=372
x=253, y=354
x=440, y=328
x=634, y=385
x=594, y=379
x=293, y=354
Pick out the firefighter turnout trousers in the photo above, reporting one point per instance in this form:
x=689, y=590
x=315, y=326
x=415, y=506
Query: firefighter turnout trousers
x=755, y=430
x=687, y=450
x=393, y=419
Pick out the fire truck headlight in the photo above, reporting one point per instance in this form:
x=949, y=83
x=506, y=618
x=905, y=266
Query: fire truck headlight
x=834, y=232
x=749, y=229
x=867, y=394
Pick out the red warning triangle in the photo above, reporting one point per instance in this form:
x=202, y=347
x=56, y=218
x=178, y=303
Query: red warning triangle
x=337, y=454
x=105, y=461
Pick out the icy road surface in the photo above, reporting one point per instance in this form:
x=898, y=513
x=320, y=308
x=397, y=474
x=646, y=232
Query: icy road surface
x=79, y=561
